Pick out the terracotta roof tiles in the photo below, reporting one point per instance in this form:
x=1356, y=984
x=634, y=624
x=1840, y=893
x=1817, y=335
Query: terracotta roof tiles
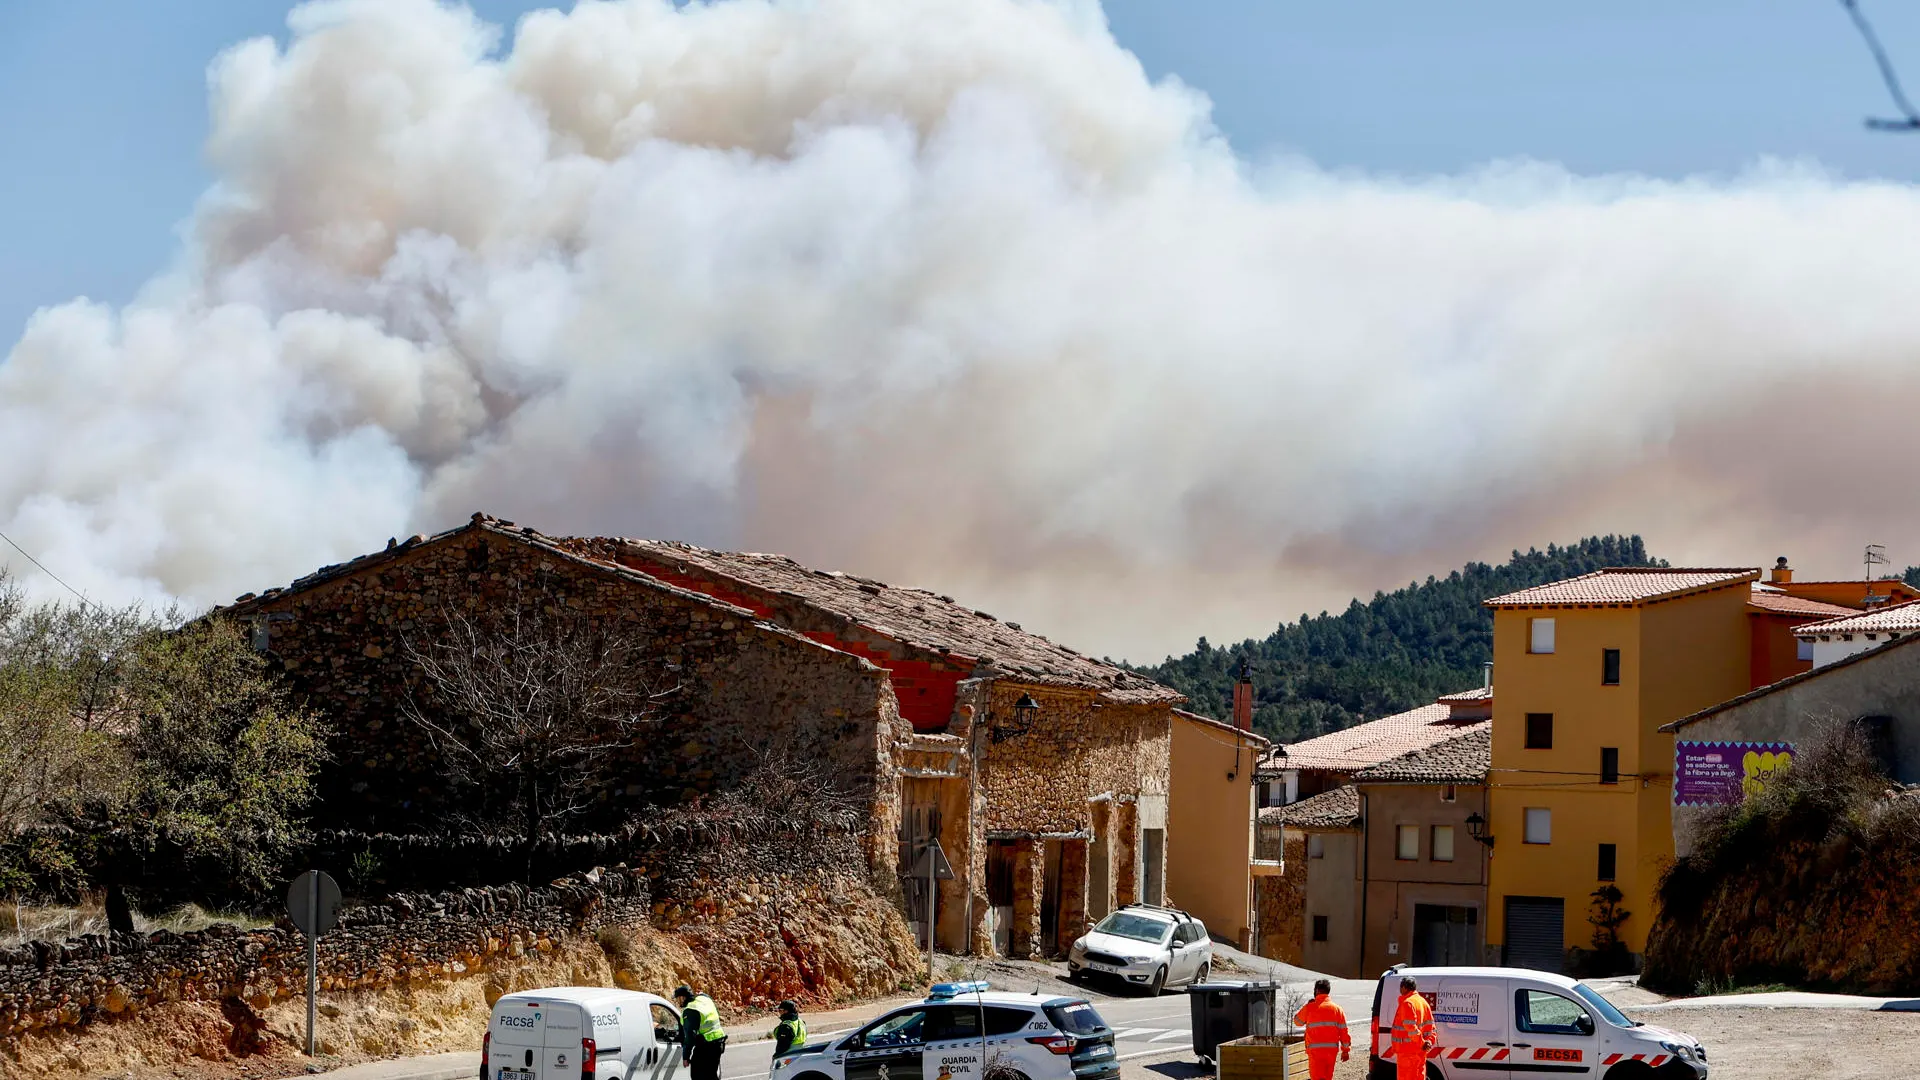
x=1770, y=599
x=916, y=617
x=1462, y=759
x=1371, y=743
x=1625, y=587
x=1900, y=617
x=1336, y=809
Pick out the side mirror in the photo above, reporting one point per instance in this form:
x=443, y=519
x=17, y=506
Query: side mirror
x=1586, y=1024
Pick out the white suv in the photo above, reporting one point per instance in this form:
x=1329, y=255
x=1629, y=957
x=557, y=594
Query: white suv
x=1144, y=946
x=946, y=1036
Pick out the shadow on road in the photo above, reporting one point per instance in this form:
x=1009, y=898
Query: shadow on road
x=1180, y=1070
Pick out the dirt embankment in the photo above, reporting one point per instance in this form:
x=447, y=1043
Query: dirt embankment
x=818, y=948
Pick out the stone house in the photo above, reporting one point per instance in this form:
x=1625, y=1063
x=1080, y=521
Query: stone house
x=1043, y=773
x=1722, y=752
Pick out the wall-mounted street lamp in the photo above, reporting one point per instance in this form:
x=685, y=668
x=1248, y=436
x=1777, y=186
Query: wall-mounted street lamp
x=1024, y=712
x=1477, y=828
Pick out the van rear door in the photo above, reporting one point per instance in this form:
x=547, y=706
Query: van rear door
x=516, y=1039
x=565, y=1030
x=1470, y=1017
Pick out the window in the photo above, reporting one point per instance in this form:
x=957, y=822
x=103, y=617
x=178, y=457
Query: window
x=1316, y=846
x=1539, y=731
x=900, y=1029
x=1079, y=1018
x=953, y=1022
x=1539, y=825
x=1539, y=635
x=1005, y=1021
x=1319, y=928
x=1609, y=764
x=1447, y=794
x=1805, y=649
x=1606, y=862
x=1610, y=667
x=1409, y=843
x=1443, y=843
x=1540, y=1013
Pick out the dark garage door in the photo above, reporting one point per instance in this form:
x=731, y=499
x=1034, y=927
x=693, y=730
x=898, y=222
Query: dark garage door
x=1536, y=932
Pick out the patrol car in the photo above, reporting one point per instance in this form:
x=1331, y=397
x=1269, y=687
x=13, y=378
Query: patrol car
x=1516, y=1022
x=957, y=1029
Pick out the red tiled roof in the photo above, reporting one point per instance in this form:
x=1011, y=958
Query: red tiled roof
x=915, y=617
x=1336, y=809
x=1478, y=693
x=1371, y=743
x=1901, y=617
x=1462, y=759
x=1625, y=587
x=1770, y=599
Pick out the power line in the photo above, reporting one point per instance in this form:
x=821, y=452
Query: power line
x=49, y=573
x=1911, y=121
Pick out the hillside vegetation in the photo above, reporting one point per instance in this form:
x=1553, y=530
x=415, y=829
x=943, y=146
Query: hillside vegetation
x=1398, y=651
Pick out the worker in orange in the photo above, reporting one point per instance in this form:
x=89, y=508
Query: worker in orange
x=1413, y=1033
x=1326, y=1028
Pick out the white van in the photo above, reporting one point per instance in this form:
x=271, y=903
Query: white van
x=581, y=1033
x=1514, y=1022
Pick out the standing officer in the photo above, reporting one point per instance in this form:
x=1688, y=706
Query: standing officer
x=1413, y=1033
x=791, y=1032
x=1326, y=1027
x=702, y=1039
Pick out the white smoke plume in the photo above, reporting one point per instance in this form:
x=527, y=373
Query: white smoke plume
x=946, y=292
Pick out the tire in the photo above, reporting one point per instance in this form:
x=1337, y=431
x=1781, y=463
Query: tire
x=1631, y=1070
x=1205, y=972
x=811, y=1076
x=1159, y=982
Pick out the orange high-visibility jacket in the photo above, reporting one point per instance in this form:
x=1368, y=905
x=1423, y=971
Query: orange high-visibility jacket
x=1413, y=1028
x=1325, y=1024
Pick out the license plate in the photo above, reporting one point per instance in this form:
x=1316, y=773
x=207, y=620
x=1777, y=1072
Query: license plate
x=514, y=1074
x=1111, y=969
x=1103, y=1050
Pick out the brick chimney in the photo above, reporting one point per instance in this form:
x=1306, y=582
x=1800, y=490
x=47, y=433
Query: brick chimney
x=1243, y=697
x=1782, y=573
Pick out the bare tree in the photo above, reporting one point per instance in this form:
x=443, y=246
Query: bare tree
x=532, y=702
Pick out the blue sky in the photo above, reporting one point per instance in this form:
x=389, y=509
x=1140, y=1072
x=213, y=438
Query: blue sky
x=102, y=102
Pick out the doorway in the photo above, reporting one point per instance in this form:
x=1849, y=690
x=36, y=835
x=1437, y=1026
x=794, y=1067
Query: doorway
x=1000, y=894
x=1445, y=935
x=1099, y=862
x=1153, y=844
x=1050, y=897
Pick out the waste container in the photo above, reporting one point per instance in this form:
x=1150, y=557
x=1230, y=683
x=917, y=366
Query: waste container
x=1225, y=1011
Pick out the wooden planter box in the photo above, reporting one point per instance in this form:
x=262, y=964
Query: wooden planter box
x=1263, y=1057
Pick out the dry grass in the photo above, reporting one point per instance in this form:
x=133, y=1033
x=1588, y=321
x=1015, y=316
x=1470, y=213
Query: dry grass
x=21, y=923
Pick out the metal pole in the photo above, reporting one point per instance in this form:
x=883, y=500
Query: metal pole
x=313, y=951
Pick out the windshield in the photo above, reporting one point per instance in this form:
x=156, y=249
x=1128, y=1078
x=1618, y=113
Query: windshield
x=1603, y=1006
x=1137, y=927
x=1077, y=1018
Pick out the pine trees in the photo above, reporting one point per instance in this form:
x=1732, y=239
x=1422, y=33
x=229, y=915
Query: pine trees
x=1396, y=652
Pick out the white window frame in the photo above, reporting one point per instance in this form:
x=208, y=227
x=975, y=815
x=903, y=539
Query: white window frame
x=1539, y=825
x=1401, y=834
x=1540, y=638
x=1442, y=852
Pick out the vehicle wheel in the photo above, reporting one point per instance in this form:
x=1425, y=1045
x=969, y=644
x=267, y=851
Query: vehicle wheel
x=1159, y=982
x=1631, y=1070
x=811, y=1076
x=1206, y=969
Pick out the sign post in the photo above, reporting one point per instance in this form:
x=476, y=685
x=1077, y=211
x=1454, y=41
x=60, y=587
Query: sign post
x=313, y=902
x=933, y=866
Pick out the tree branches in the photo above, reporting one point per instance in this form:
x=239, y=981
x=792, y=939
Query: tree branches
x=528, y=705
x=1910, y=120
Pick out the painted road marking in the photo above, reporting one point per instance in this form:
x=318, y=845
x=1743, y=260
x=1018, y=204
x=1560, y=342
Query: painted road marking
x=1171, y=1035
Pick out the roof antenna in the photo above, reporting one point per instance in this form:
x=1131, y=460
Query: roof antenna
x=1876, y=556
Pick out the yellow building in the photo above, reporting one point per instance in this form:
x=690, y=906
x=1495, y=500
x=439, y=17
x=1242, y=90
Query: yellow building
x=1210, y=824
x=1582, y=782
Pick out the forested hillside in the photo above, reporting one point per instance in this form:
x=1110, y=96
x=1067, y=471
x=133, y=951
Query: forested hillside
x=1400, y=650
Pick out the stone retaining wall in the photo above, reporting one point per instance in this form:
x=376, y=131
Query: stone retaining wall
x=405, y=938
